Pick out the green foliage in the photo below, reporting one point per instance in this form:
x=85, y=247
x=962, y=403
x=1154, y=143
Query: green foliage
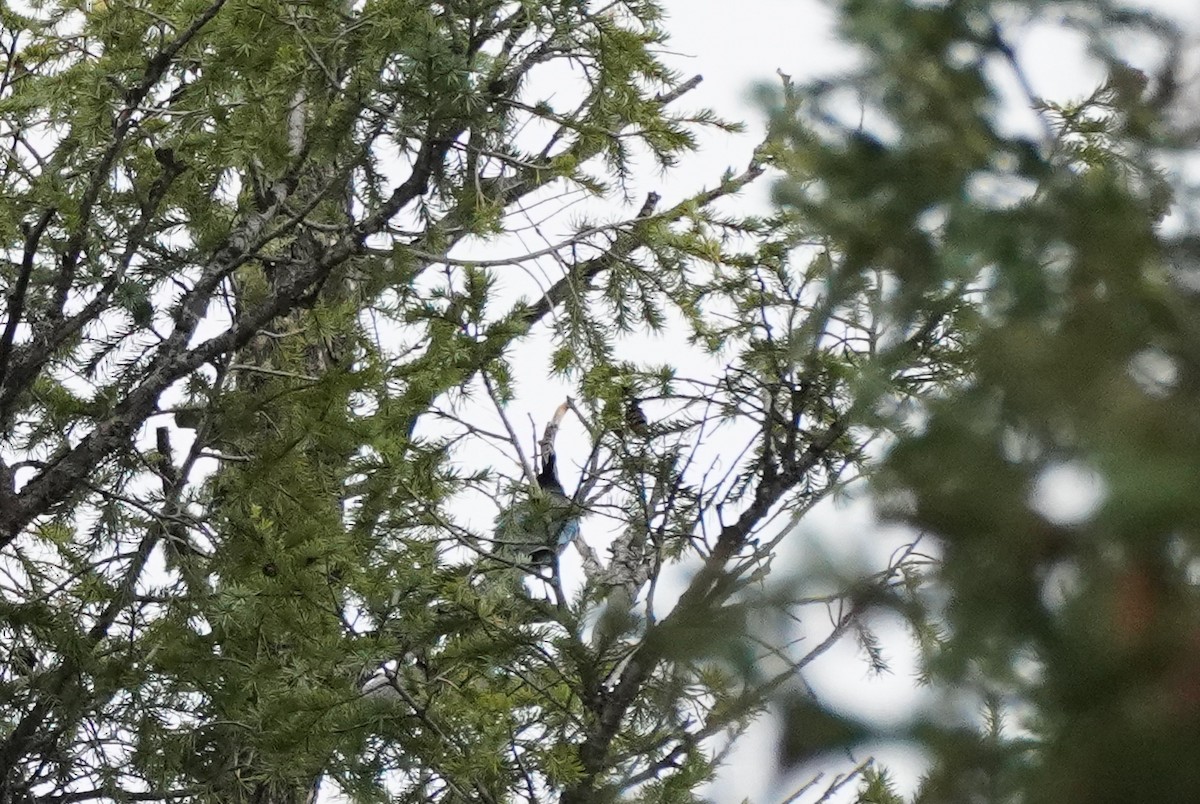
x=1074, y=629
x=269, y=237
x=877, y=788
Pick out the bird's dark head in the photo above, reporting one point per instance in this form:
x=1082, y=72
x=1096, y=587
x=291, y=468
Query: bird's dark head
x=547, y=479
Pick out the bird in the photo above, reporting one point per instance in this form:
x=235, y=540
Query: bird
x=536, y=530
x=562, y=525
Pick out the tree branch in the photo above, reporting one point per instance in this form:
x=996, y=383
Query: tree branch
x=16, y=296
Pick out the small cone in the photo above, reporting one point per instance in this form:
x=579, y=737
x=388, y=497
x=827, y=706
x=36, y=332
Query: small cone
x=635, y=419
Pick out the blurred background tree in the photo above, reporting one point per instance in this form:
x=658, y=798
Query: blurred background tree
x=1058, y=477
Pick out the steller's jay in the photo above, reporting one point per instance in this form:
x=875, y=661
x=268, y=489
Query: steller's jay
x=536, y=530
